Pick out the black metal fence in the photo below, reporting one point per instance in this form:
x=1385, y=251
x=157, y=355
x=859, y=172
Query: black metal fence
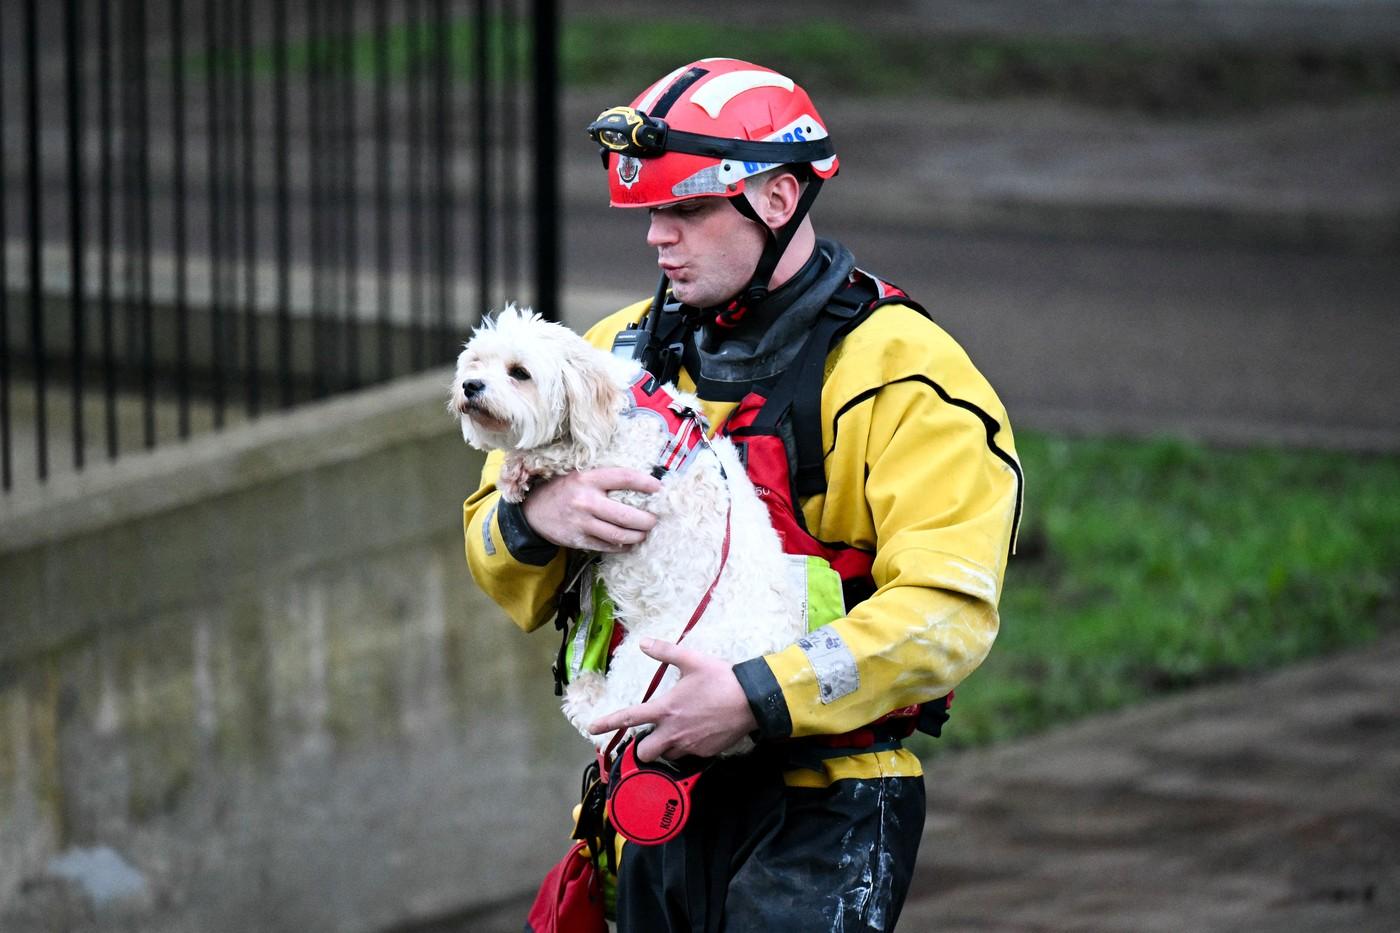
x=213, y=208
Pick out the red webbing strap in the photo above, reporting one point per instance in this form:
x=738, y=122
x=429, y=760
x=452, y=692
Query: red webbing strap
x=605, y=756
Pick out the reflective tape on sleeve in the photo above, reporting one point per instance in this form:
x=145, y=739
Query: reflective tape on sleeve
x=487, y=541
x=833, y=663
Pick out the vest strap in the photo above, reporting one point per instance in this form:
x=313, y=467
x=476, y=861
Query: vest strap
x=799, y=391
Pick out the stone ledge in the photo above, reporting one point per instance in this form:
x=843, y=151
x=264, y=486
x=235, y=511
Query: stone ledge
x=319, y=434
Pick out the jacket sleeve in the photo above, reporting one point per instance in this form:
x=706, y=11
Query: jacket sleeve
x=921, y=469
x=514, y=566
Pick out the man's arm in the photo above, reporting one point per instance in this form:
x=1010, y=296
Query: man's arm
x=510, y=562
x=922, y=469
x=917, y=477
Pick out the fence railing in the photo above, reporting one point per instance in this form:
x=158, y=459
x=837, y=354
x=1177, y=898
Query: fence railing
x=214, y=208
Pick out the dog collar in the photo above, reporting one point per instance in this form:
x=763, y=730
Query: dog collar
x=686, y=427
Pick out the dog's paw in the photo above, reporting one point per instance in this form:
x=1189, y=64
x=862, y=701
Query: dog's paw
x=514, y=481
x=581, y=699
x=586, y=689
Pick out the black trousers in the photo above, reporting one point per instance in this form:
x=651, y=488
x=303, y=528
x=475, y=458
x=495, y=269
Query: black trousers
x=757, y=855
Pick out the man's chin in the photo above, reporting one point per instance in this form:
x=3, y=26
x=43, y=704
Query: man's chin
x=687, y=293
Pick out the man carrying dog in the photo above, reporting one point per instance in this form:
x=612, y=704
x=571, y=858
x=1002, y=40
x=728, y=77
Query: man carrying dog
x=883, y=455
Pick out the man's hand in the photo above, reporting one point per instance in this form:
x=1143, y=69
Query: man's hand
x=574, y=511
x=703, y=714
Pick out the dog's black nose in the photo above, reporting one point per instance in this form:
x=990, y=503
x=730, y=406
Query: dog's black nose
x=472, y=387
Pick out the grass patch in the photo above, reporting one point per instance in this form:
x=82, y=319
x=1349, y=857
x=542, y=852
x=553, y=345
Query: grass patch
x=833, y=58
x=404, y=51
x=1149, y=566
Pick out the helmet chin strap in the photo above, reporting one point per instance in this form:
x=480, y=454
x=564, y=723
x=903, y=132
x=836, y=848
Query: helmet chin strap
x=776, y=244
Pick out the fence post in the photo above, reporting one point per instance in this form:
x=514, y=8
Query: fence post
x=547, y=209
x=485, y=211
x=72, y=55
x=36, y=238
x=6, y=467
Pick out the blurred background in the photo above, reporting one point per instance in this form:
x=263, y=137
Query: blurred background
x=245, y=679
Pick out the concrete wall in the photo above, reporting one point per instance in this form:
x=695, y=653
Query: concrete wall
x=247, y=683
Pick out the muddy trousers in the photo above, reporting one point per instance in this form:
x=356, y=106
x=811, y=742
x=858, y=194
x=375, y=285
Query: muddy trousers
x=757, y=855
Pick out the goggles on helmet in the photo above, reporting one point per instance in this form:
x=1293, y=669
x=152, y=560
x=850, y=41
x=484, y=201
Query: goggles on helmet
x=631, y=132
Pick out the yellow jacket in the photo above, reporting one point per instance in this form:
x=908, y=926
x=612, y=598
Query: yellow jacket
x=921, y=468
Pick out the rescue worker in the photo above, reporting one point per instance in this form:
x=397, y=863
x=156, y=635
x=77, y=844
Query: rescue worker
x=913, y=494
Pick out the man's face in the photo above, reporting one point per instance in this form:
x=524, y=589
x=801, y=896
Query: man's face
x=706, y=248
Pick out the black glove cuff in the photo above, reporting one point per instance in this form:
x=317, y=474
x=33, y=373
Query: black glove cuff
x=765, y=699
x=523, y=542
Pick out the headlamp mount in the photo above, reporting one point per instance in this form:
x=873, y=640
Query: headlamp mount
x=631, y=132
x=628, y=131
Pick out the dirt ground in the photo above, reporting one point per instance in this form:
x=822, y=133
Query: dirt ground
x=1267, y=805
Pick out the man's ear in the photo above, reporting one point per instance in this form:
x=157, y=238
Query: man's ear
x=778, y=198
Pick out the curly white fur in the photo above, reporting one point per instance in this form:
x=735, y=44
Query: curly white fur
x=554, y=403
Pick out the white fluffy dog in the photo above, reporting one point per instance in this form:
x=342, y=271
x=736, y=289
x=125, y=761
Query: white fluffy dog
x=554, y=403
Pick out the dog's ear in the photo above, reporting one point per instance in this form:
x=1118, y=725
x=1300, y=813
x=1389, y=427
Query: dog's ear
x=592, y=396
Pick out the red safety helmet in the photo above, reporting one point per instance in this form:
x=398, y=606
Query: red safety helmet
x=704, y=129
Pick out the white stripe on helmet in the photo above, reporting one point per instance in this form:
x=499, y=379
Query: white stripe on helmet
x=721, y=89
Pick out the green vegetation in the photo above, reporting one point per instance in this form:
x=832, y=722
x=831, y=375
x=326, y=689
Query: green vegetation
x=1149, y=566
x=835, y=58
x=405, y=51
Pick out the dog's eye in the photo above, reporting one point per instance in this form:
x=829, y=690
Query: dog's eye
x=519, y=373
